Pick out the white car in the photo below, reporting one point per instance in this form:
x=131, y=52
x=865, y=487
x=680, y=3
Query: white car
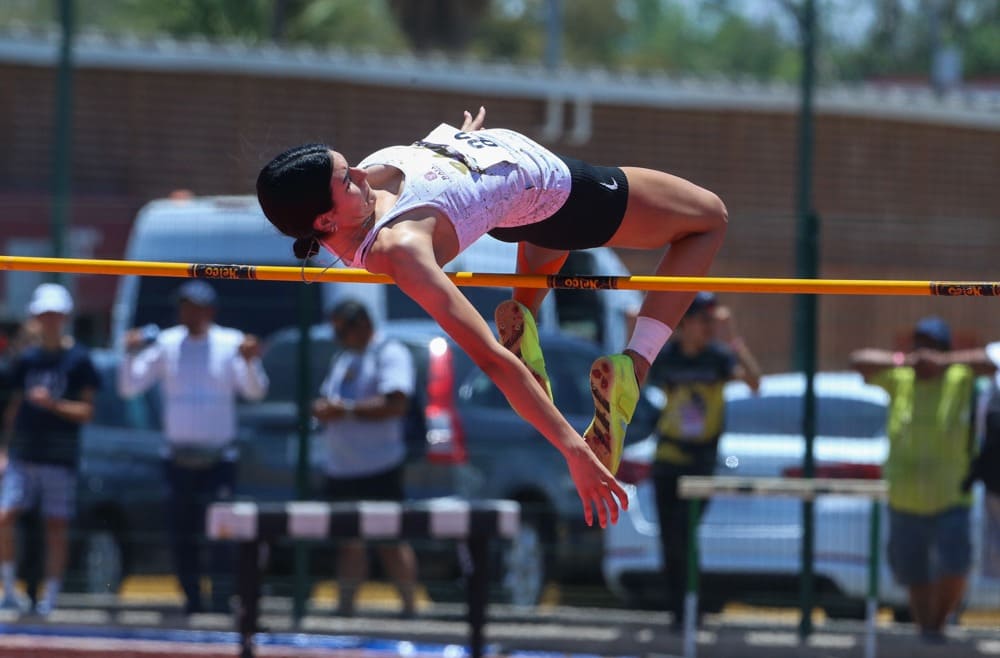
x=751, y=546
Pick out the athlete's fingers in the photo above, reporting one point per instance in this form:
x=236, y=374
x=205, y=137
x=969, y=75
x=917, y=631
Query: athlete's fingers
x=620, y=493
x=476, y=123
x=612, y=504
x=588, y=514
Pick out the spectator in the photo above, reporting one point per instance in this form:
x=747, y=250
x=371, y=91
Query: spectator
x=54, y=387
x=930, y=447
x=694, y=366
x=986, y=467
x=362, y=403
x=201, y=368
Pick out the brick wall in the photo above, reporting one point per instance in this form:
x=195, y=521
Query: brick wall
x=897, y=199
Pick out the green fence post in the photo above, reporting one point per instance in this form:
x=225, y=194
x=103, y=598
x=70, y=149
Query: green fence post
x=874, y=548
x=304, y=395
x=691, y=597
x=63, y=135
x=807, y=267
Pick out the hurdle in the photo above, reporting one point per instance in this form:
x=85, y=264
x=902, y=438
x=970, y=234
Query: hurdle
x=482, y=279
x=696, y=489
x=256, y=526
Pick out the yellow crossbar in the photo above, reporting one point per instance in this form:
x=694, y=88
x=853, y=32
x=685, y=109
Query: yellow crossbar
x=482, y=279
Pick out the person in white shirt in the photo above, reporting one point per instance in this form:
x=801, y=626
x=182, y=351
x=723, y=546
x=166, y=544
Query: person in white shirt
x=201, y=369
x=362, y=403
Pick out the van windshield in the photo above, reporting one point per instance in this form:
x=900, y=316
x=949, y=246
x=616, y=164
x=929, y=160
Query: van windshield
x=253, y=307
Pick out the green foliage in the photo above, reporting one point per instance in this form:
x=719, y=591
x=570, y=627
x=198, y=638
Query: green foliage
x=702, y=37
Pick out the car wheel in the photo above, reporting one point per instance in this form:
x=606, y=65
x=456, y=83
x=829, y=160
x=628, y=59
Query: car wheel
x=523, y=564
x=103, y=562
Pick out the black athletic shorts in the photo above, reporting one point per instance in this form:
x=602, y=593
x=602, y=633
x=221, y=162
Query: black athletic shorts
x=386, y=485
x=592, y=213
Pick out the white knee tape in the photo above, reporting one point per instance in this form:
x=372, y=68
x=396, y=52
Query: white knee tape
x=648, y=338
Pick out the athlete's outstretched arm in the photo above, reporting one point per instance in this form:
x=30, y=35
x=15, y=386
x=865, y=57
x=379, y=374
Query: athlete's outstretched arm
x=408, y=258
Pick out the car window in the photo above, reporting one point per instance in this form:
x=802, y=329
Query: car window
x=841, y=417
x=568, y=372
x=281, y=360
x=576, y=307
x=111, y=410
x=401, y=307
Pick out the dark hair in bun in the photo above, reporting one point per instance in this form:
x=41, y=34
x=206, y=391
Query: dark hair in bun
x=293, y=190
x=305, y=247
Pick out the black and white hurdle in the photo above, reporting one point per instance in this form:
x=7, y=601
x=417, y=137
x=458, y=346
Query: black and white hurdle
x=254, y=526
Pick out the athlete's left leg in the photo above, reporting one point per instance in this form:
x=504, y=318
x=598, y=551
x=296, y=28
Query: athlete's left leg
x=515, y=318
x=662, y=211
x=688, y=222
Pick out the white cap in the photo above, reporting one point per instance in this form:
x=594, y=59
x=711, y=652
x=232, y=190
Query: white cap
x=50, y=298
x=993, y=352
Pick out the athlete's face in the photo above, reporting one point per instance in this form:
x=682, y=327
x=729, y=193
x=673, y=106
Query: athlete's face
x=353, y=199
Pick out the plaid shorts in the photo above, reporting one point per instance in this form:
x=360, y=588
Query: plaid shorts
x=25, y=484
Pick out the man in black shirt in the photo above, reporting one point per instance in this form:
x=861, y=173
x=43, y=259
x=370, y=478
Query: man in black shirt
x=692, y=369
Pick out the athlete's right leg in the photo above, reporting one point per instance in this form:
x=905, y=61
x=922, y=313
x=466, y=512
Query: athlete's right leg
x=686, y=223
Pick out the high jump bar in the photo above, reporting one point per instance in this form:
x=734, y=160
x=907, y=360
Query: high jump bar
x=481, y=279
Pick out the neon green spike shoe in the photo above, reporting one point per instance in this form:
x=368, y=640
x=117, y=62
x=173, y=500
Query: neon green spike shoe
x=616, y=394
x=519, y=334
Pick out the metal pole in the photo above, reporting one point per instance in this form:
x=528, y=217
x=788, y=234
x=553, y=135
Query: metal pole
x=302, y=492
x=62, y=151
x=553, y=33
x=807, y=267
x=874, y=548
x=691, y=597
x=478, y=584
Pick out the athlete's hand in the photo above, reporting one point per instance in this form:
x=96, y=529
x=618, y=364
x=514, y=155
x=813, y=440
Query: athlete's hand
x=597, y=488
x=473, y=123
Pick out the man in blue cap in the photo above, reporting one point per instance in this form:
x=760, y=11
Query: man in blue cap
x=931, y=396
x=201, y=368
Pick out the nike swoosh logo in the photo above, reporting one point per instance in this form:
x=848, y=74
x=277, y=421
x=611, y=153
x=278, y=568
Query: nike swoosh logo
x=613, y=185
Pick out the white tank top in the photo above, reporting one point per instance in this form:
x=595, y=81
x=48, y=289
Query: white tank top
x=479, y=180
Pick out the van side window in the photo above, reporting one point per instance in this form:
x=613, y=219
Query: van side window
x=253, y=307
x=579, y=310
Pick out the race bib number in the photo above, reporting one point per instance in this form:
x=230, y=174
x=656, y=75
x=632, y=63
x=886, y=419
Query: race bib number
x=475, y=149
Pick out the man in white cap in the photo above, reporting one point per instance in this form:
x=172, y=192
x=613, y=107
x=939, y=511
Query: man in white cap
x=54, y=387
x=201, y=368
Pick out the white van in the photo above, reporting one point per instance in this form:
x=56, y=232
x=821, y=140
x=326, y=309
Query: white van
x=232, y=229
